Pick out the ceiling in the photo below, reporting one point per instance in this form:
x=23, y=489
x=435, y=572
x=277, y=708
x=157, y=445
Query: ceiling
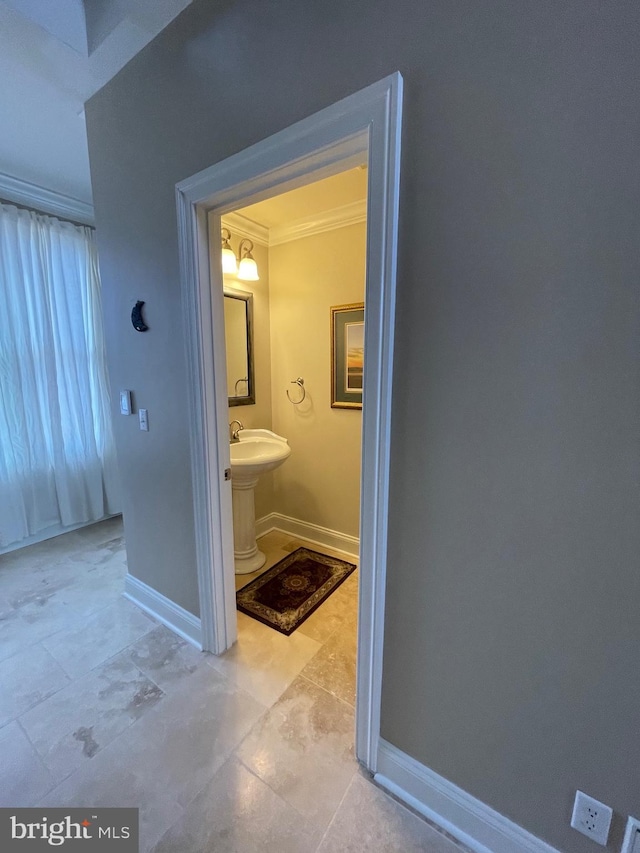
x=54, y=55
x=310, y=200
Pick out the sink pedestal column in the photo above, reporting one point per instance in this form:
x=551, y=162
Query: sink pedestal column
x=246, y=555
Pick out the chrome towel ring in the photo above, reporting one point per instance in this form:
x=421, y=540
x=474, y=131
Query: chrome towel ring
x=300, y=383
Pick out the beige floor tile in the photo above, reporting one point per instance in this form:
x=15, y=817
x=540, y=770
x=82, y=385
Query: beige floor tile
x=53, y=597
x=102, y=531
x=335, y=552
x=238, y=813
x=121, y=786
x=161, y=762
x=290, y=543
x=210, y=766
x=44, y=553
x=350, y=586
x=303, y=749
x=293, y=545
x=271, y=545
x=320, y=625
x=22, y=585
x=273, y=539
x=332, y=613
x=165, y=657
x=264, y=662
x=74, y=724
x=368, y=819
x=27, y=678
x=243, y=580
x=273, y=555
x=88, y=587
x=101, y=636
x=23, y=776
x=23, y=628
x=334, y=666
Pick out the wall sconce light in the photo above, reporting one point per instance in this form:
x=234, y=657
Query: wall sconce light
x=247, y=268
x=229, y=263
x=244, y=266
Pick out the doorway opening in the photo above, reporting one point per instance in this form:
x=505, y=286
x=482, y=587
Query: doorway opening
x=296, y=520
x=364, y=127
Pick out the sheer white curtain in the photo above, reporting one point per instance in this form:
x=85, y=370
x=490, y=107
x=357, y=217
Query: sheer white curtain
x=57, y=456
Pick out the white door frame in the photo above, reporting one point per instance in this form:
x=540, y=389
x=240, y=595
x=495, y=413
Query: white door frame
x=365, y=123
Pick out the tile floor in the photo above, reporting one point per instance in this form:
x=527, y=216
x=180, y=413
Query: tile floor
x=252, y=751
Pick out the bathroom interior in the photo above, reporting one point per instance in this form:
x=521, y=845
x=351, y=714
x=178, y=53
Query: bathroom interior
x=309, y=247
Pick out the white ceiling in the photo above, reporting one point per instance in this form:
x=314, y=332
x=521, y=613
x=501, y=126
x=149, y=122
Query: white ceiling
x=55, y=54
x=309, y=200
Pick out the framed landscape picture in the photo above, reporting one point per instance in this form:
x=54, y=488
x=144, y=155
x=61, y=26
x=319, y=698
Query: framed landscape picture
x=347, y=355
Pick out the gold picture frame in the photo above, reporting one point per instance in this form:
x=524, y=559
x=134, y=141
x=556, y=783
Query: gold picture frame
x=347, y=355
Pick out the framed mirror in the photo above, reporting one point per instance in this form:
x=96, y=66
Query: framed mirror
x=238, y=330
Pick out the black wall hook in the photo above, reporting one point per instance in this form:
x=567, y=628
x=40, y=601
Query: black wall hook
x=136, y=318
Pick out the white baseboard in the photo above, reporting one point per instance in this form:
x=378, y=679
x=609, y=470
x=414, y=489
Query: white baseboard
x=179, y=620
x=469, y=820
x=313, y=533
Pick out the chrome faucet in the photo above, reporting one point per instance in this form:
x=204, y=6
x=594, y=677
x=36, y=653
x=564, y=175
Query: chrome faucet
x=235, y=432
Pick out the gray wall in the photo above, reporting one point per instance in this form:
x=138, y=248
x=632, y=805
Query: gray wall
x=512, y=639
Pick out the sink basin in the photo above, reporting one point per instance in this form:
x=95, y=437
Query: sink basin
x=256, y=452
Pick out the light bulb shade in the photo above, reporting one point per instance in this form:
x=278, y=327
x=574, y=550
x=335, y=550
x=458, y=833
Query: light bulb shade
x=229, y=263
x=248, y=269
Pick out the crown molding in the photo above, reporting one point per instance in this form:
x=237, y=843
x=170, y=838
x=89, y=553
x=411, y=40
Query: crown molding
x=242, y=227
x=306, y=226
x=328, y=220
x=46, y=201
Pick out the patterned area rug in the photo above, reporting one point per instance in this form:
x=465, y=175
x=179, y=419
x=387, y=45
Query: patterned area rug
x=286, y=594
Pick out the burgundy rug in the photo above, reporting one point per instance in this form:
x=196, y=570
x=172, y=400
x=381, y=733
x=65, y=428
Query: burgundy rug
x=288, y=593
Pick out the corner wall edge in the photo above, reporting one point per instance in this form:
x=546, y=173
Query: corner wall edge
x=175, y=617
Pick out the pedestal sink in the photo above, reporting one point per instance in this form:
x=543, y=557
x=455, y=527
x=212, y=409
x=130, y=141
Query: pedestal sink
x=256, y=452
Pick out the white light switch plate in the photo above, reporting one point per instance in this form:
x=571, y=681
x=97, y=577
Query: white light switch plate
x=125, y=402
x=631, y=843
x=144, y=419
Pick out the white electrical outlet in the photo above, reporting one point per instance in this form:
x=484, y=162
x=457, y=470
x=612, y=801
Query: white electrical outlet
x=592, y=818
x=631, y=843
